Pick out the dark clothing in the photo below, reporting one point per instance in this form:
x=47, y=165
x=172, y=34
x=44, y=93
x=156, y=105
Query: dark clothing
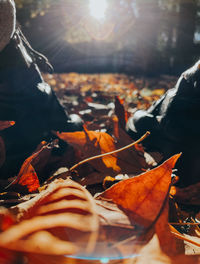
x=29, y=101
x=174, y=123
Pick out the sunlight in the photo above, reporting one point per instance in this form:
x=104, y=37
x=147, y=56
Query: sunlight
x=98, y=8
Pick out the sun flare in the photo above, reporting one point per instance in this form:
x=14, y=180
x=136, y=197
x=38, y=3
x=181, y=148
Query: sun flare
x=98, y=8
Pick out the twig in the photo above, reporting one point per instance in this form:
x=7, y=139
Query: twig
x=110, y=153
x=185, y=239
x=182, y=237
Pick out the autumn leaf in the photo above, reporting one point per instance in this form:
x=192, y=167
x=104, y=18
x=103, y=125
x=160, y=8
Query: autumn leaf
x=27, y=177
x=142, y=197
x=169, y=244
x=120, y=112
x=134, y=210
x=132, y=161
x=91, y=143
x=36, y=167
x=54, y=222
x=164, y=247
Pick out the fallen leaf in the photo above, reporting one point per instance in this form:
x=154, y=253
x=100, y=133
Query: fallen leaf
x=120, y=112
x=51, y=157
x=92, y=143
x=169, y=244
x=27, y=177
x=131, y=161
x=142, y=210
x=60, y=220
x=142, y=197
x=38, y=166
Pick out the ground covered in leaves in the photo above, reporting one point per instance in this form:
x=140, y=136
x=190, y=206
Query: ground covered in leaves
x=119, y=208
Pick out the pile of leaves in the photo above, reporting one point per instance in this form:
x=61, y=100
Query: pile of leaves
x=121, y=207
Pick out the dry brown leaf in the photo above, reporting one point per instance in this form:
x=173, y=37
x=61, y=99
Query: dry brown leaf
x=153, y=245
x=51, y=158
x=33, y=169
x=131, y=161
x=169, y=244
x=163, y=248
x=120, y=112
x=133, y=210
x=142, y=197
x=27, y=177
x=55, y=222
x=91, y=143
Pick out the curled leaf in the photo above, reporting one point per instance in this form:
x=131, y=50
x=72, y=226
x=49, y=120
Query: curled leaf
x=27, y=177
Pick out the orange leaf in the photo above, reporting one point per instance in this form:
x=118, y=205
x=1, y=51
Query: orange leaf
x=120, y=112
x=27, y=176
x=169, y=244
x=29, y=179
x=143, y=196
x=92, y=143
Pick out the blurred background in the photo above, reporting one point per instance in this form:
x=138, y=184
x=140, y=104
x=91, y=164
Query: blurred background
x=150, y=37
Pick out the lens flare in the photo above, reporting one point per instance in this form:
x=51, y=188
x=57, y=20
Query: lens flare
x=98, y=8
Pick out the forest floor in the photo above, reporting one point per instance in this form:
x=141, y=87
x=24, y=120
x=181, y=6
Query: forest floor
x=80, y=92
x=99, y=211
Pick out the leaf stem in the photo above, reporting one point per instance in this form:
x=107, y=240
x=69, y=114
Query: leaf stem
x=185, y=224
x=110, y=153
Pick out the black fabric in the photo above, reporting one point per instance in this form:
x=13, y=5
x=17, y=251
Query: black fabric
x=177, y=125
x=26, y=99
